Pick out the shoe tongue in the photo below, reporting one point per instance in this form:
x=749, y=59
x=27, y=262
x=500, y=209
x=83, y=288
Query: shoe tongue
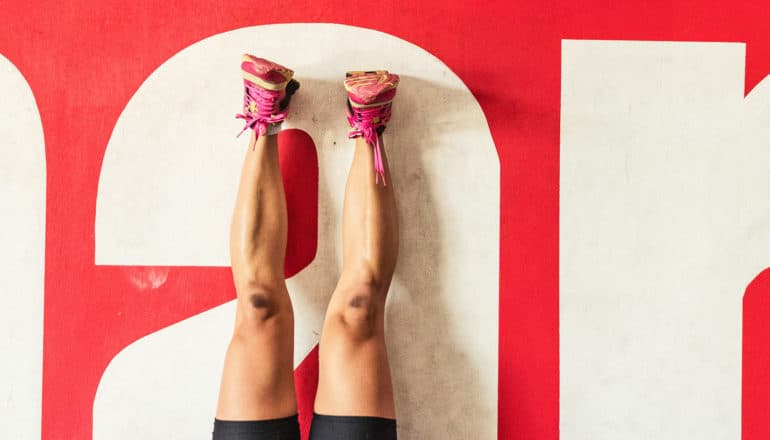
x=258, y=94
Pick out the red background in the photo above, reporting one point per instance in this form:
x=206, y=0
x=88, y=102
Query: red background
x=84, y=59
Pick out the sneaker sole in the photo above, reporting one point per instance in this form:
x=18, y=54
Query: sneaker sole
x=288, y=74
x=368, y=78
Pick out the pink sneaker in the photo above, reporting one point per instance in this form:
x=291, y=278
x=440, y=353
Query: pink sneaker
x=268, y=88
x=370, y=97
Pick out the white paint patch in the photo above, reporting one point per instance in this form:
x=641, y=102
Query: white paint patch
x=166, y=382
x=168, y=185
x=147, y=278
x=664, y=222
x=22, y=256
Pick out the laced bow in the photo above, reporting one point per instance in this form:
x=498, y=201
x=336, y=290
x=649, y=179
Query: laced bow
x=366, y=122
x=260, y=108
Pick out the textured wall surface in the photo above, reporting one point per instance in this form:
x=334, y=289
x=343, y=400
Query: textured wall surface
x=630, y=143
x=663, y=167
x=168, y=185
x=22, y=234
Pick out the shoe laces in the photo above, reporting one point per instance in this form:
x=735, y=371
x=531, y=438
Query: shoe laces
x=370, y=122
x=260, y=108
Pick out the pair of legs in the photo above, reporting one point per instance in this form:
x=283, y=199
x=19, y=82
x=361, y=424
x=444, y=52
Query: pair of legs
x=354, y=376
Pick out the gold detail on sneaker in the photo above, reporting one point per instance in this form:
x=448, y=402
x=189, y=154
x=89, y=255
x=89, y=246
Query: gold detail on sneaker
x=264, y=84
x=376, y=104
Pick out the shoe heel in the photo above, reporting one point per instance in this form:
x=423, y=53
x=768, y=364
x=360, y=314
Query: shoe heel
x=291, y=89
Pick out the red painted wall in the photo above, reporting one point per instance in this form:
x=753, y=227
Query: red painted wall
x=84, y=59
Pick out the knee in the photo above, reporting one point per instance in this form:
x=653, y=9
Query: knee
x=362, y=312
x=261, y=310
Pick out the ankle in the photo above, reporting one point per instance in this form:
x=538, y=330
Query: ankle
x=269, y=141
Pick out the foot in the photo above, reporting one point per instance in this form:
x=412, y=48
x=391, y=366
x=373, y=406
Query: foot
x=370, y=96
x=268, y=88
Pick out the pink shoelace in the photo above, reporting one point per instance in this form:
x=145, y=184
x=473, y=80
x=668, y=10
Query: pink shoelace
x=260, y=108
x=366, y=122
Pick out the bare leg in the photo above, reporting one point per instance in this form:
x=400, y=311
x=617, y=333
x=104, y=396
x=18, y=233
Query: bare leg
x=354, y=377
x=258, y=377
